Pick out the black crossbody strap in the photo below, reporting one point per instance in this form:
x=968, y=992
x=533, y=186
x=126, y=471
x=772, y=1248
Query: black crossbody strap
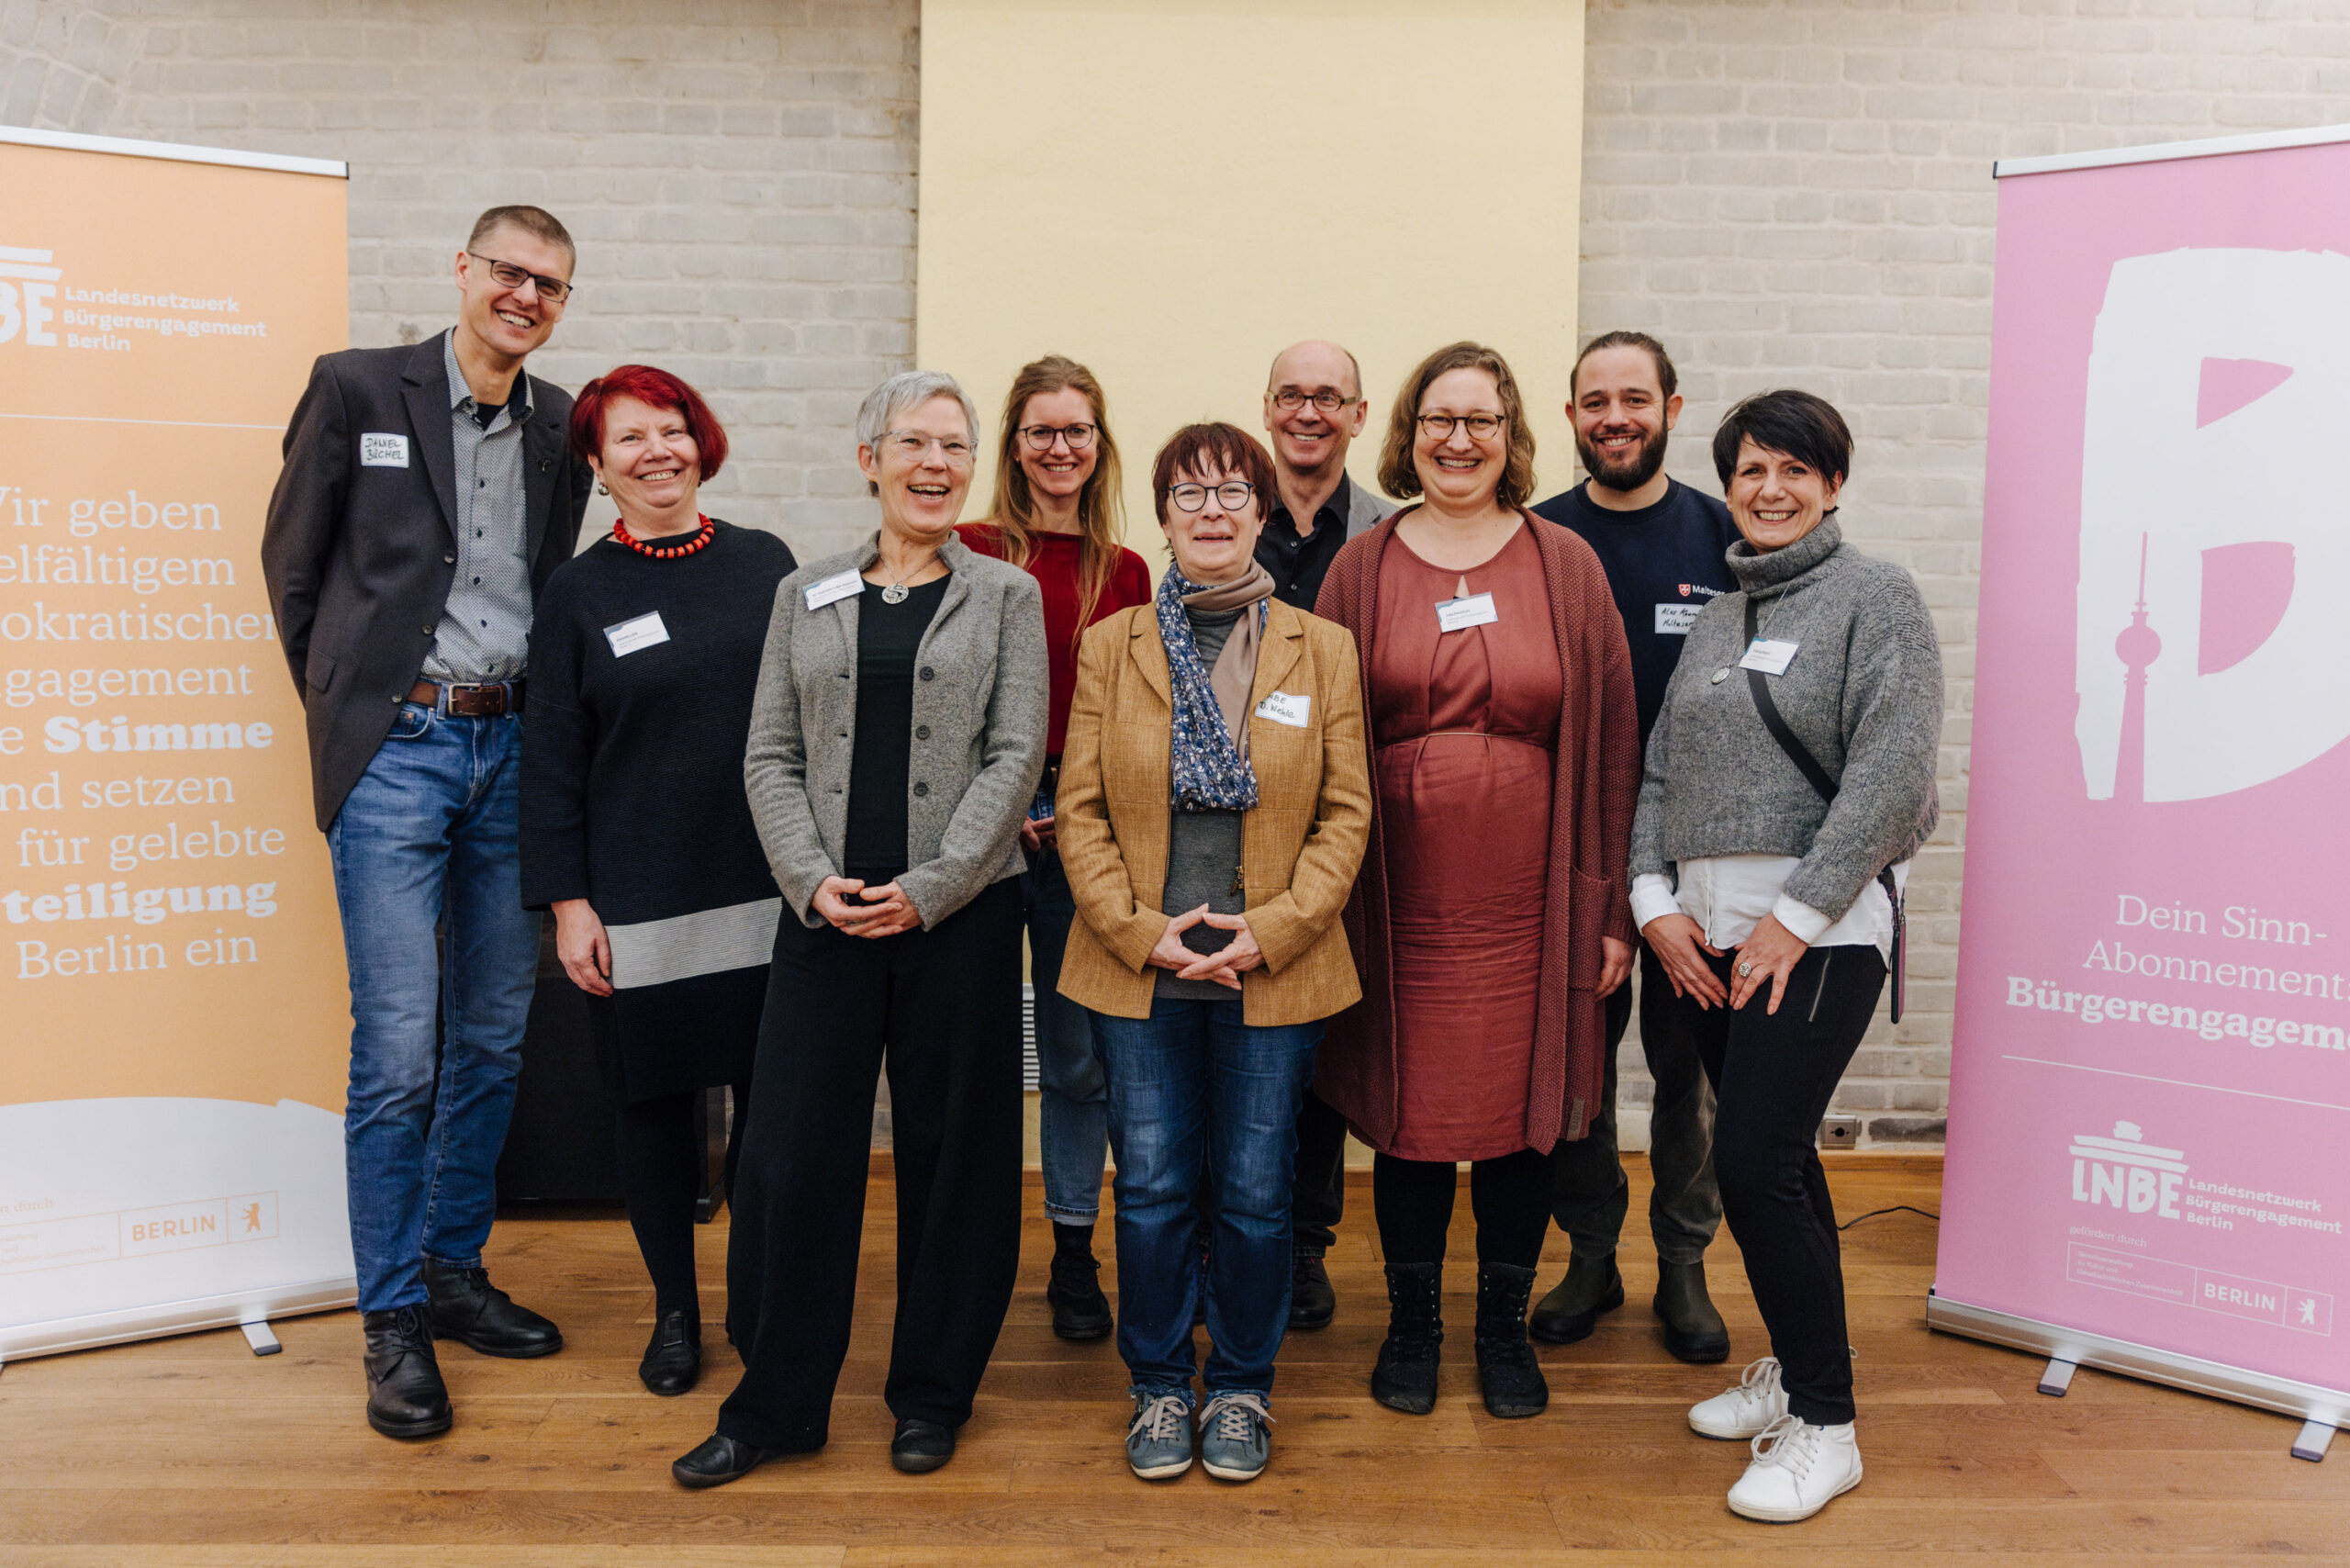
x=1808, y=766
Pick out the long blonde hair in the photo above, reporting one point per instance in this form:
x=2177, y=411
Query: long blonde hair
x=1100, y=511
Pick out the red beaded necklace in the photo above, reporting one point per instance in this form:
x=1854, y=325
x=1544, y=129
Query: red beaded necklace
x=699, y=540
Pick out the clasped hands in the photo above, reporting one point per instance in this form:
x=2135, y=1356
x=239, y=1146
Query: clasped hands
x=859, y=911
x=1225, y=966
x=1768, y=955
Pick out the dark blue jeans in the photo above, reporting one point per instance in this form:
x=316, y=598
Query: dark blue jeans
x=1197, y=1094
x=1072, y=1117
x=426, y=840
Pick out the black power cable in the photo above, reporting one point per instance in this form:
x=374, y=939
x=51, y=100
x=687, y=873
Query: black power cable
x=1898, y=1208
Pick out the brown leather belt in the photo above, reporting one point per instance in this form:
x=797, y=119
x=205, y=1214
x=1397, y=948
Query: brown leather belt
x=469, y=700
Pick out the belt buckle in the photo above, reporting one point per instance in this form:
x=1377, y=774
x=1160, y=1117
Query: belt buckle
x=449, y=695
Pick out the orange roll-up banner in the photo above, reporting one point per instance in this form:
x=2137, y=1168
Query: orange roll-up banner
x=173, y=1016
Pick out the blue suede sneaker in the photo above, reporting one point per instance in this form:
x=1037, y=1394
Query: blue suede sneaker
x=1158, y=1444
x=1236, y=1435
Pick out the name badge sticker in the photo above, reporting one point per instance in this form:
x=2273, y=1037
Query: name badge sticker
x=380, y=451
x=1674, y=620
x=1769, y=655
x=1459, y=615
x=644, y=631
x=1283, y=709
x=842, y=585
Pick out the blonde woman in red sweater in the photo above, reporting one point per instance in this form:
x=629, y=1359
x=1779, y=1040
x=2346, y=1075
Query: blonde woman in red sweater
x=1056, y=512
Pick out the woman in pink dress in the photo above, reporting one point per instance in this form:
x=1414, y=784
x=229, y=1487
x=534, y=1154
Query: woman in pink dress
x=1492, y=914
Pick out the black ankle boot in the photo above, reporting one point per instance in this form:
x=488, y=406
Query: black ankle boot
x=1312, y=1302
x=406, y=1398
x=1079, y=1310
x=467, y=1308
x=1405, y=1378
x=1694, y=1330
x=1572, y=1308
x=672, y=1364
x=1506, y=1369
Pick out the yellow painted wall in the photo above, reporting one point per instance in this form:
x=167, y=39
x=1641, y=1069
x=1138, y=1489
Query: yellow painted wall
x=1172, y=190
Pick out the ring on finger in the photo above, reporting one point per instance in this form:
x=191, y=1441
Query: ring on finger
x=1746, y=968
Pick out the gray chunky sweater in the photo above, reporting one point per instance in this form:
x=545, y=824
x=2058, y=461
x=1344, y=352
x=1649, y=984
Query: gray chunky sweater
x=1863, y=693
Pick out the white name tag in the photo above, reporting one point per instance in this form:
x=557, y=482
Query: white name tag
x=383, y=451
x=1459, y=615
x=833, y=589
x=1769, y=655
x=1674, y=620
x=1283, y=709
x=644, y=632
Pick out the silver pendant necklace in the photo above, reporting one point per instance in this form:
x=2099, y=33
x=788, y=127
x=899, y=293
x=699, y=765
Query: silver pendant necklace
x=895, y=593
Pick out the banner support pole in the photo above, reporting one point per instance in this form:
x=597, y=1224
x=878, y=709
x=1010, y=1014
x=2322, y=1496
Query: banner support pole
x=262, y=1337
x=2058, y=1378
x=2315, y=1439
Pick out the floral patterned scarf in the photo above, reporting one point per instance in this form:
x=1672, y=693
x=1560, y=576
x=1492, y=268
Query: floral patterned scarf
x=1209, y=768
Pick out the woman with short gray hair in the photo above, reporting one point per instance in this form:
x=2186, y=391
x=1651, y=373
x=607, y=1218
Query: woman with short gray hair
x=896, y=742
x=1790, y=780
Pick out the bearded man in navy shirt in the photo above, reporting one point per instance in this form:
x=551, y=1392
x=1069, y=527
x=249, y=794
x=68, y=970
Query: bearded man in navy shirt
x=1662, y=546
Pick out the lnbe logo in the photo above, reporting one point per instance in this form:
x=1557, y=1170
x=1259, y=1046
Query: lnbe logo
x=2127, y=1172
x=27, y=289
x=2209, y=612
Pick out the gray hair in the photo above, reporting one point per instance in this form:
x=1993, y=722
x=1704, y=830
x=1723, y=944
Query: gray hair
x=909, y=389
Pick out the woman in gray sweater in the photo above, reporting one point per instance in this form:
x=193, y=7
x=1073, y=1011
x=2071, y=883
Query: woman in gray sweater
x=895, y=742
x=1789, y=783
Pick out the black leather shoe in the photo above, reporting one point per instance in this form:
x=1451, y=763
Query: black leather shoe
x=1405, y=1375
x=467, y=1308
x=1572, y=1310
x=717, y=1460
x=406, y=1398
x=1080, y=1311
x=672, y=1361
x=1312, y=1302
x=921, y=1447
x=1694, y=1331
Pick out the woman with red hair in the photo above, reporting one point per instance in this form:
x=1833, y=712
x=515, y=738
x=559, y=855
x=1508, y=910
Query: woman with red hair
x=635, y=828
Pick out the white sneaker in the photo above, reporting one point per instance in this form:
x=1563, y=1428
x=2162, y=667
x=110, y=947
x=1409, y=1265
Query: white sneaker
x=1798, y=1469
x=1746, y=1410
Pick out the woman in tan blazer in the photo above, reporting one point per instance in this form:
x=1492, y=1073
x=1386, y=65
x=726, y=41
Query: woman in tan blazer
x=1215, y=801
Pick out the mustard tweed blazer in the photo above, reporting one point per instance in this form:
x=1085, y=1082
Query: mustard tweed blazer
x=1300, y=844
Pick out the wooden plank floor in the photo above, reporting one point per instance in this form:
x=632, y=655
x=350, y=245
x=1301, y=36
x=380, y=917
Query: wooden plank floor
x=190, y=1452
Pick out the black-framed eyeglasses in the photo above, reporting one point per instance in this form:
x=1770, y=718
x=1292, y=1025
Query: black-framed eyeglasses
x=1040, y=437
x=1440, y=427
x=1232, y=495
x=553, y=290
x=1289, y=400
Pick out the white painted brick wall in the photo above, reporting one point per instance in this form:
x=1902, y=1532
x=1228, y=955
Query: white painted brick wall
x=1798, y=192
x=739, y=174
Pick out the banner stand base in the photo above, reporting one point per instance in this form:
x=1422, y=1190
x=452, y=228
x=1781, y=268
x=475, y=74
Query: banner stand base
x=262, y=1337
x=2323, y=1409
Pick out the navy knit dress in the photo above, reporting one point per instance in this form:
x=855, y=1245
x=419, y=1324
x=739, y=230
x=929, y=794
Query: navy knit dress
x=632, y=797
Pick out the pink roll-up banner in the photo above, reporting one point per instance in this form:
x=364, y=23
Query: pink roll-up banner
x=2149, y=1155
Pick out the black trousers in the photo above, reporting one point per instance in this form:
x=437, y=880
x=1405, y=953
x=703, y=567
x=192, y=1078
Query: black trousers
x=1510, y=1196
x=1318, y=1191
x=1772, y=1076
x=1589, y=1193
x=660, y=1165
x=941, y=1008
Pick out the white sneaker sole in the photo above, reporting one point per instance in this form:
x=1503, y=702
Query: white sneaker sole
x=1793, y=1515
x=1226, y=1473
x=1725, y=1431
x=1158, y=1472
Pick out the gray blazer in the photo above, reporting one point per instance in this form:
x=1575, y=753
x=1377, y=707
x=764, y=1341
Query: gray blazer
x=1366, y=507
x=981, y=697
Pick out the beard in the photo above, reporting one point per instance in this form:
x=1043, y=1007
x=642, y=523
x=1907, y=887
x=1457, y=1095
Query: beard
x=1627, y=470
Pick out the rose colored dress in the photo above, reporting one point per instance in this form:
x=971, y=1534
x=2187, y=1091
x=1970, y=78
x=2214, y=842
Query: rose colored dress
x=1464, y=725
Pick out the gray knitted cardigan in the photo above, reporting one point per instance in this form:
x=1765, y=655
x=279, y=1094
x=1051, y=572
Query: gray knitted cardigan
x=1863, y=693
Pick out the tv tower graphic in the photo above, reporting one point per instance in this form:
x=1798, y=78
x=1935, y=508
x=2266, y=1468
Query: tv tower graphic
x=2137, y=647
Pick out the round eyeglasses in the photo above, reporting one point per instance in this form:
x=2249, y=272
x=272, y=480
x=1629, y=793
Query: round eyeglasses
x=1040, y=438
x=1232, y=495
x=1440, y=427
x=1289, y=400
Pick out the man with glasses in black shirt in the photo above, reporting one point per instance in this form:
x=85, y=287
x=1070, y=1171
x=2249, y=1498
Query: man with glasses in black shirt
x=1313, y=410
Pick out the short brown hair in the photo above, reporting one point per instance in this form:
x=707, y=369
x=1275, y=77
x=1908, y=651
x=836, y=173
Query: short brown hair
x=1667, y=382
x=1210, y=449
x=535, y=221
x=1397, y=475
